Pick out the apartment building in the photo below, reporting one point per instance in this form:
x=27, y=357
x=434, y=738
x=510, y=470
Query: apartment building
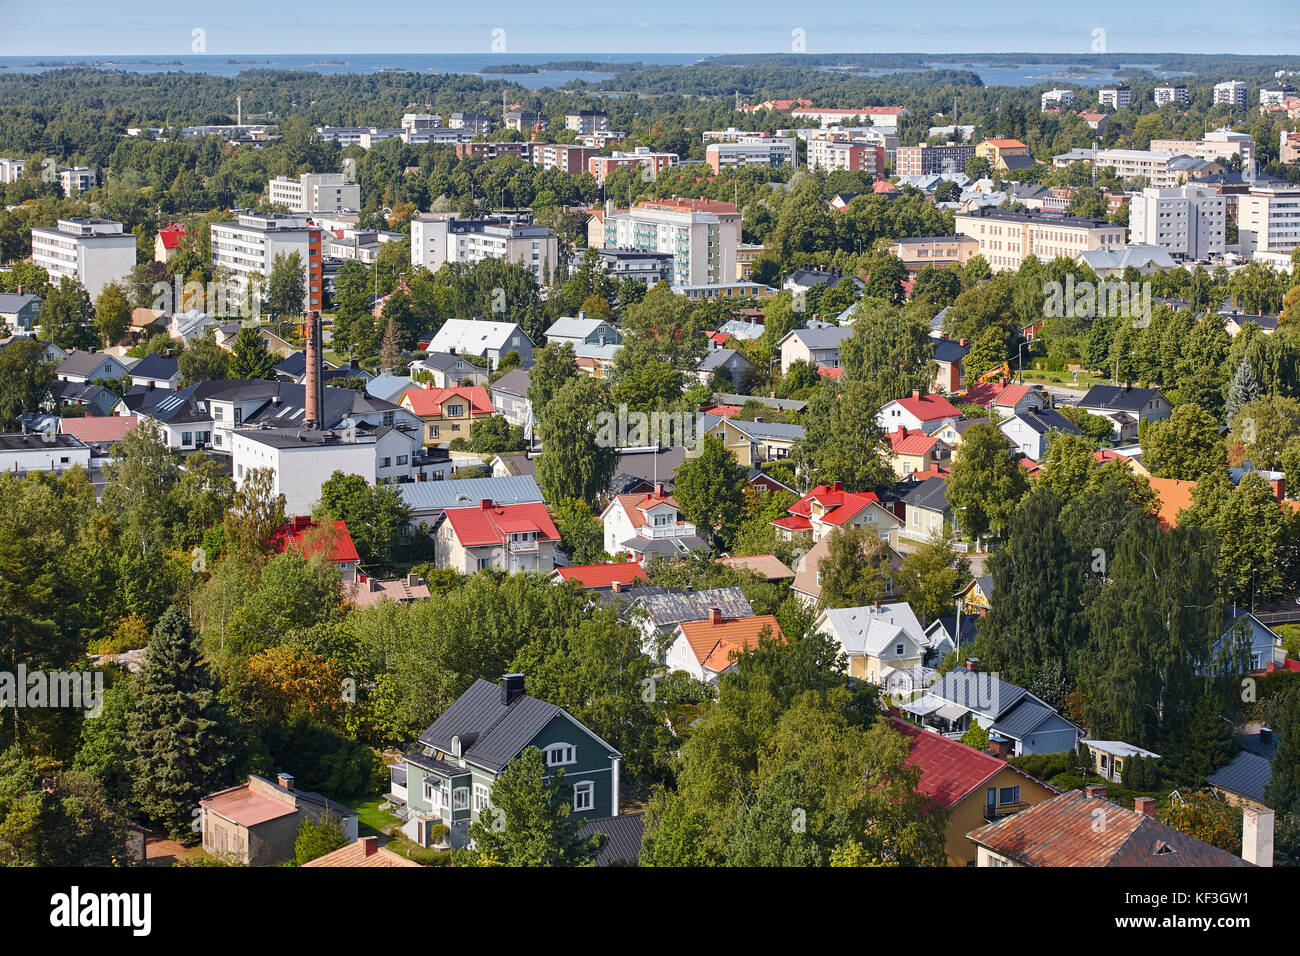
x=1232, y=93
x=11, y=169
x=1171, y=93
x=315, y=192
x=94, y=252
x=701, y=234
x=436, y=134
x=869, y=115
x=733, y=135
x=927, y=160
x=1117, y=96
x=251, y=244
x=567, y=159
x=586, y=122
x=1055, y=99
x=641, y=158
x=488, y=151
x=525, y=120
x=1187, y=221
x=1268, y=220
x=1159, y=169
x=644, y=266
x=1006, y=237
x=1288, y=147
x=363, y=136
x=1275, y=94
x=841, y=153
x=77, y=179
x=439, y=238
x=420, y=122
x=476, y=123
x=1219, y=144
x=939, y=251
x=770, y=152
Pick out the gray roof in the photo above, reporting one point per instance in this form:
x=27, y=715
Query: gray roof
x=948, y=350
x=931, y=494
x=1022, y=719
x=1246, y=774
x=33, y=441
x=824, y=338
x=790, y=404
x=388, y=385
x=83, y=363
x=673, y=547
x=156, y=366
x=13, y=302
x=673, y=607
x=573, y=327
x=1123, y=398
x=1048, y=419
x=623, y=833
x=717, y=358
x=985, y=693
x=440, y=495
x=514, y=382
x=771, y=431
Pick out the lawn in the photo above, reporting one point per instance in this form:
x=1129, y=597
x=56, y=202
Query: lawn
x=371, y=820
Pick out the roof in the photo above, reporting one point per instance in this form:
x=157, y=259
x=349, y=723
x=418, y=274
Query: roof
x=717, y=358
x=473, y=336
x=1123, y=398
x=1063, y=831
x=1024, y=717
x=786, y=404
x=1118, y=748
x=1005, y=144
x=98, y=428
x=929, y=408
x=491, y=732
x=365, y=851
x=871, y=630
x=514, y=382
x=13, y=301
x=603, y=575
x=439, y=495
x=1048, y=419
x=171, y=235
x=950, y=770
x=837, y=506
x=767, y=566
x=571, y=327
x=823, y=338
x=764, y=431
x=931, y=494
x=83, y=363
x=1246, y=774
x=247, y=807
x=985, y=394
x=714, y=644
x=370, y=592
x=948, y=350
x=910, y=441
x=983, y=693
x=297, y=534
x=670, y=607
x=427, y=402
x=623, y=843
x=1172, y=497
x=635, y=506
x=1121, y=257
x=155, y=365
x=489, y=524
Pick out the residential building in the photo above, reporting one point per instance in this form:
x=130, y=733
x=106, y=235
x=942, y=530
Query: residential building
x=157, y=370
x=646, y=266
x=1007, y=237
x=568, y=159
x=1032, y=431
x=449, y=369
x=93, y=252
x=807, y=584
x=701, y=234
x=82, y=367
x=582, y=331
x=20, y=312
x=11, y=169
x=709, y=648
x=726, y=362
x=1018, y=722
x=1186, y=221
x=490, y=340
x=999, y=151
x=510, y=399
x=924, y=412
x=827, y=507
x=1268, y=220
x=1117, y=96
x=249, y=247
x=642, y=161
x=448, y=778
x=364, y=851
x=315, y=192
x=927, y=160
x=1171, y=93
x=526, y=120
x=329, y=540
x=420, y=122
x=927, y=514
x=428, y=500
x=1243, y=779
x=586, y=122
x=256, y=823
x=834, y=153
x=1231, y=93
x=949, y=356
x=911, y=450
x=819, y=346
x=1055, y=99
x=77, y=179
x=448, y=413
x=917, y=252
x=372, y=591
x=656, y=611
x=646, y=524
x=604, y=578
x=1108, y=757
x=438, y=238
x=1126, y=406
x=488, y=535
x=495, y=150
x=1217, y=146
x=1160, y=169
x=167, y=241
x=867, y=115
x=777, y=151
x=52, y=452
x=1288, y=147
x=480, y=124
x=879, y=640
x=1275, y=94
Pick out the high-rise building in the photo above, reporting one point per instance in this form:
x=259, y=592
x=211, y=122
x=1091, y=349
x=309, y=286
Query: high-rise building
x=585, y=122
x=1117, y=96
x=770, y=152
x=1055, y=99
x=1230, y=93
x=251, y=244
x=927, y=160
x=315, y=192
x=94, y=252
x=701, y=234
x=1268, y=219
x=1186, y=221
x=439, y=238
x=1171, y=93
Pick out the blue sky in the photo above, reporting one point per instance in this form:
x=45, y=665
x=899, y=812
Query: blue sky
x=164, y=27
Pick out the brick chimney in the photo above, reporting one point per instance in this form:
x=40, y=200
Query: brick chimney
x=916, y=393
x=369, y=846
x=618, y=587
x=972, y=664
x=837, y=486
x=285, y=780
x=412, y=580
x=486, y=504
x=512, y=688
x=1257, y=836
x=659, y=489
x=314, y=397
x=715, y=615
x=1145, y=806
x=1095, y=791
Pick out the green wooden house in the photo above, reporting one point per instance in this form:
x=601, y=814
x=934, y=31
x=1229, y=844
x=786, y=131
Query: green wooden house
x=448, y=779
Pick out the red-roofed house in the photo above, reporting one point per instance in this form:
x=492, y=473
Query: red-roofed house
x=706, y=649
x=646, y=524
x=107, y=429
x=448, y=413
x=167, y=242
x=1007, y=398
x=912, y=450
x=828, y=507
x=602, y=577
x=332, y=540
x=511, y=538
x=257, y=822
x=974, y=787
x=926, y=412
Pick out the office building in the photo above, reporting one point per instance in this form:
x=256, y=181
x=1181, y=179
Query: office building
x=315, y=192
x=1007, y=237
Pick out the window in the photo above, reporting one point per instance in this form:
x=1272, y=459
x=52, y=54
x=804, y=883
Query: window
x=385, y=463
x=460, y=797
x=559, y=754
x=1008, y=795
x=484, y=564
x=187, y=438
x=218, y=413
x=455, y=411
x=480, y=797
x=401, y=459
x=389, y=418
x=584, y=795
x=239, y=416
x=898, y=650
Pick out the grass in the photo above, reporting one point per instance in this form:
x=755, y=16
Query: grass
x=1044, y=377
x=424, y=855
x=371, y=820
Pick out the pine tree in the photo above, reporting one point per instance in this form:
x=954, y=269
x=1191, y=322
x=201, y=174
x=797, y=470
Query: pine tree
x=249, y=358
x=177, y=735
x=389, y=354
x=1243, y=390
x=1208, y=742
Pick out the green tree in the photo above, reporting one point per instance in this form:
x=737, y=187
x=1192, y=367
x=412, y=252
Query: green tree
x=67, y=318
x=315, y=839
x=710, y=489
x=582, y=537
x=376, y=517
x=68, y=824
x=929, y=577
x=249, y=357
x=285, y=289
x=986, y=481
x=578, y=455
x=553, y=367
x=112, y=314
x=25, y=378
x=856, y=569
x=203, y=361
x=1186, y=445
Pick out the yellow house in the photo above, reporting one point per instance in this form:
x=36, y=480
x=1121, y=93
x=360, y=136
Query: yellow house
x=876, y=639
x=996, y=152
x=448, y=413
x=912, y=450
x=1108, y=757
x=757, y=441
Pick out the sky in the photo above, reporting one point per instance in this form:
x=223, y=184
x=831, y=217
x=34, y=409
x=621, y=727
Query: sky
x=166, y=27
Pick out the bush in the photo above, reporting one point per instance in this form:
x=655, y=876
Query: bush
x=1141, y=774
x=1046, y=766
x=438, y=833
x=976, y=736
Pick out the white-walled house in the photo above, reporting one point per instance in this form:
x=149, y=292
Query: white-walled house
x=88, y=366
x=512, y=538
x=646, y=524
x=36, y=451
x=926, y=412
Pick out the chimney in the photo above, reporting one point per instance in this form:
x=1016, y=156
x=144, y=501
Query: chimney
x=486, y=504
x=372, y=584
x=618, y=587
x=312, y=381
x=369, y=846
x=963, y=342
x=412, y=580
x=877, y=605
x=715, y=615
x=837, y=486
x=659, y=489
x=1266, y=735
x=1145, y=806
x=285, y=780
x=512, y=688
x=972, y=664
x=916, y=393
x=1257, y=836
x=1095, y=791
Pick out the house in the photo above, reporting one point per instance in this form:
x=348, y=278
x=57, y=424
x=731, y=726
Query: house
x=949, y=354
x=942, y=633
x=807, y=584
x=954, y=433
x=582, y=331
x=20, y=312
x=911, y=450
x=1237, y=321
x=448, y=413
x=623, y=836
x=727, y=362
x=98, y=431
x=927, y=513
x=329, y=540
x=1032, y=432
x=768, y=567
x=1243, y=779
x=84, y=367
x=428, y=500
x=648, y=524
x=50, y=451
x=446, y=370
x=1173, y=496
x=490, y=535
x=1108, y=757
x=1017, y=721
x=167, y=241
x=256, y=823
x=972, y=786
x=373, y=591
x=144, y=323
x=1126, y=406
x=926, y=412
x=448, y=779
x=490, y=340
x=364, y=851
x=96, y=399
x=806, y=279
x=828, y=507
x=877, y=639
x=1007, y=398
x=817, y=346
x=976, y=598
x=510, y=398
x=602, y=577
x=157, y=370
x=708, y=648
x=656, y=611
x=389, y=387
x=1261, y=642
x=1063, y=831
x=756, y=441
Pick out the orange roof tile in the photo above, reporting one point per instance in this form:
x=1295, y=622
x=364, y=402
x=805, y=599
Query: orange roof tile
x=1173, y=496
x=428, y=402
x=713, y=644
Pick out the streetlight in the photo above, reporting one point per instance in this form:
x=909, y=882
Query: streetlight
x=1020, y=361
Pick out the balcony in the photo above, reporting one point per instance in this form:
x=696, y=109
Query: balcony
x=679, y=530
x=995, y=812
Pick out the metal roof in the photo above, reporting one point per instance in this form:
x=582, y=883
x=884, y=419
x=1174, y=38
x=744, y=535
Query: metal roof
x=440, y=495
x=674, y=607
x=1022, y=719
x=1246, y=774
x=624, y=837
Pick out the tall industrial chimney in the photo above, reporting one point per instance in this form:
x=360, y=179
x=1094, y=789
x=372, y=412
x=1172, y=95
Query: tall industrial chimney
x=239, y=110
x=314, y=398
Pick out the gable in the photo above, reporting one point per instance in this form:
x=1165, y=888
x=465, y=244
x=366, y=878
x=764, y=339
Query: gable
x=591, y=751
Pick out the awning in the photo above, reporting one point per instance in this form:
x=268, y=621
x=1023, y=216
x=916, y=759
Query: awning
x=952, y=712
x=927, y=704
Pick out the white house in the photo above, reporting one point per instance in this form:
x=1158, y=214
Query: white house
x=87, y=366
x=34, y=451
x=647, y=524
x=1032, y=432
x=490, y=340
x=926, y=412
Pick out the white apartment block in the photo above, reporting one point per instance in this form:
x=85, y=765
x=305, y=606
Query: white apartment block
x=868, y=115
x=1232, y=93
x=586, y=122
x=771, y=152
x=883, y=136
x=77, y=179
x=1117, y=96
x=733, y=135
x=700, y=234
x=250, y=246
x=1157, y=168
x=1275, y=94
x=11, y=169
x=1055, y=99
x=315, y=192
x=1187, y=221
x=439, y=238
x=363, y=136
x=478, y=123
x=1217, y=144
x=842, y=153
x=95, y=252
x=1268, y=220
x=419, y=122
x=1007, y=237
x=1171, y=93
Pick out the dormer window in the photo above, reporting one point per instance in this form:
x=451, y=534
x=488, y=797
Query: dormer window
x=558, y=755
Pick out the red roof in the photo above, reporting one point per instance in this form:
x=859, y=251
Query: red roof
x=635, y=506
x=247, y=807
x=489, y=524
x=883, y=186
x=297, y=534
x=171, y=235
x=929, y=408
x=985, y=394
x=950, y=770
x=722, y=411
x=793, y=523
x=832, y=373
x=838, y=505
x=428, y=402
x=719, y=337
x=934, y=471
x=910, y=441
x=110, y=428
x=603, y=575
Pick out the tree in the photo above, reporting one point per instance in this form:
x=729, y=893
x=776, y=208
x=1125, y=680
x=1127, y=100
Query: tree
x=203, y=361
x=553, y=367
x=1205, y=816
x=1186, y=445
x=285, y=289
x=25, y=378
x=177, y=736
x=710, y=490
x=930, y=576
x=376, y=516
x=112, y=314
x=582, y=537
x=67, y=317
x=390, y=355
x=578, y=458
x=986, y=481
x=254, y=515
x=315, y=839
x=1208, y=744
x=67, y=824
x=529, y=822
x=855, y=569
x=989, y=350
x=495, y=435
x=249, y=357
x=1243, y=389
